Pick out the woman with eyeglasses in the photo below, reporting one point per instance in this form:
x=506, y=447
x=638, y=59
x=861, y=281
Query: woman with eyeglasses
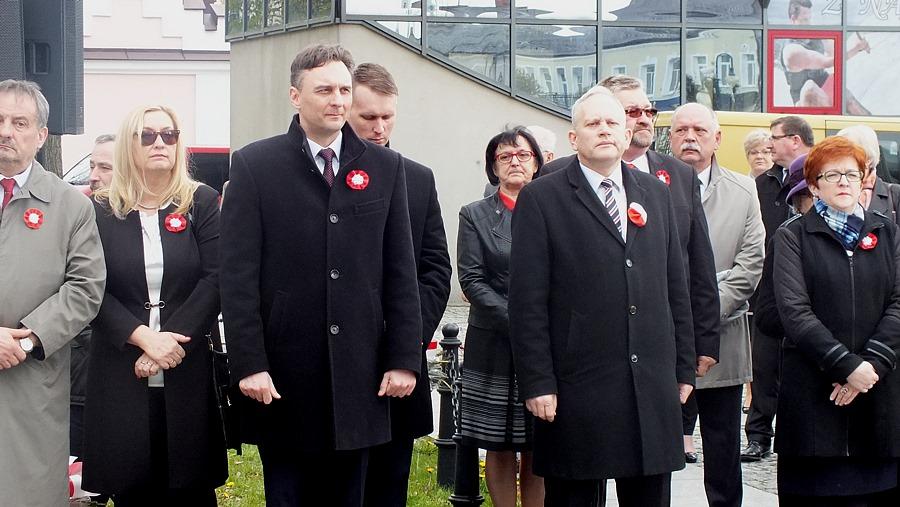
x=153, y=432
x=492, y=418
x=758, y=149
x=837, y=290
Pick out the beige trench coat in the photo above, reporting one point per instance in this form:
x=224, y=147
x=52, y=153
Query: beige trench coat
x=51, y=281
x=738, y=241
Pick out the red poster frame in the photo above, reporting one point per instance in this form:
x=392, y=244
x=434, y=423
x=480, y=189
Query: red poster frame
x=838, y=77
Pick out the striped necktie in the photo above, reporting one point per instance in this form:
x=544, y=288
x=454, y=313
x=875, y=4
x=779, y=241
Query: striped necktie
x=610, y=202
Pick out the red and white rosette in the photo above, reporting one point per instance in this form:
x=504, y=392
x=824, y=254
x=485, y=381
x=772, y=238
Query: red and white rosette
x=358, y=179
x=175, y=222
x=34, y=218
x=663, y=176
x=637, y=214
x=868, y=242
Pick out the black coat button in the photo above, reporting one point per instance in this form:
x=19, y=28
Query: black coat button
x=335, y=274
x=634, y=358
x=334, y=329
x=628, y=263
x=333, y=218
x=632, y=309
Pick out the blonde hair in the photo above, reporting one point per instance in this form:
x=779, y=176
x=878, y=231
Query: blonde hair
x=127, y=185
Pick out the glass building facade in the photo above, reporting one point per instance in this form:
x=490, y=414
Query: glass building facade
x=825, y=56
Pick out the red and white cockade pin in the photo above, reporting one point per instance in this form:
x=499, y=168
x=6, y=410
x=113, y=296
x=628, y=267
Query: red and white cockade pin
x=34, y=218
x=358, y=179
x=175, y=222
x=868, y=242
x=663, y=176
x=637, y=214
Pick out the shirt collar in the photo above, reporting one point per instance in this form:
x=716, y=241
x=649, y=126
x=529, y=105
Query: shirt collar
x=705, y=175
x=595, y=179
x=22, y=177
x=641, y=163
x=507, y=201
x=335, y=145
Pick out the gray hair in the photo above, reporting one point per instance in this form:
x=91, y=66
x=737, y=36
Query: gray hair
x=755, y=138
x=867, y=139
x=32, y=90
x=712, y=114
x=595, y=90
x=105, y=138
x=545, y=138
x=620, y=82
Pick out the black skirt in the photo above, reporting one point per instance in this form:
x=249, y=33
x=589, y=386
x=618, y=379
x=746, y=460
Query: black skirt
x=491, y=416
x=835, y=476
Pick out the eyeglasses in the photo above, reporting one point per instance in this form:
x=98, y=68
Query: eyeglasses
x=636, y=112
x=835, y=176
x=775, y=138
x=521, y=156
x=169, y=136
x=754, y=153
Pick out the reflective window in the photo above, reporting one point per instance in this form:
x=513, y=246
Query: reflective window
x=483, y=49
x=411, y=32
x=821, y=12
x=296, y=11
x=724, y=11
x=642, y=10
x=234, y=16
x=554, y=9
x=274, y=12
x=649, y=54
x=469, y=8
x=723, y=71
x=320, y=9
x=871, y=83
x=254, y=15
x=553, y=62
x=872, y=13
x=384, y=7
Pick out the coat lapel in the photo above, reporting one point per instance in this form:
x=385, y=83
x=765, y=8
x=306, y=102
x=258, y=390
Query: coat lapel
x=589, y=199
x=634, y=192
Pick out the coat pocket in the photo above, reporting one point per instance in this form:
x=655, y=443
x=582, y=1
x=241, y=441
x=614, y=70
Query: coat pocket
x=368, y=207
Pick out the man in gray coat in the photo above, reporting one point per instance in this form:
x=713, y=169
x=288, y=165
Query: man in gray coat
x=738, y=241
x=51, y=286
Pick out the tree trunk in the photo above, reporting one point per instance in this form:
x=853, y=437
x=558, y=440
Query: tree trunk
x=50, y=156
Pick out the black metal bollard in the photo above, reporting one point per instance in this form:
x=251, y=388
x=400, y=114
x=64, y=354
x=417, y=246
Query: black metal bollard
x=446, y=465
x=466, y=482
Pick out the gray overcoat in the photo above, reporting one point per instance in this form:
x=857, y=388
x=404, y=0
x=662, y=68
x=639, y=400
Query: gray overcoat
x=52, y=282
x=738, y=240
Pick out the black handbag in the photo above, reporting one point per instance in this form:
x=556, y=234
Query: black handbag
x=221, y=377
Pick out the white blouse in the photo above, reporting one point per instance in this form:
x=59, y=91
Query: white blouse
x=153, y=266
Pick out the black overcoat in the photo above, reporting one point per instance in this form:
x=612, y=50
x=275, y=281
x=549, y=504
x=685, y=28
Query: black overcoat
x=604, y=324
x=117, y=443
x=411, y=417
x=319, y=289
x=837, y=311
x=696, y=249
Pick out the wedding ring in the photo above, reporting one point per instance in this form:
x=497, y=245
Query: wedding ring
x=844, y=390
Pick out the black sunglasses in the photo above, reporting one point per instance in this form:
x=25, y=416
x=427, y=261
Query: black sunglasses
x=169, y=137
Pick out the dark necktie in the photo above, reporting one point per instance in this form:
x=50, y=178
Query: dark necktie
x=327, y=155
x=610, y=202
x=8, y=185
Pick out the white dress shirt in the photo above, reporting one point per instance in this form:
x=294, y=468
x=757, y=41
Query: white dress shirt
x=704, y=176
x=20, y=179
x=595, y=179
x=153, y=266
x=335, y=146
x=641, y=163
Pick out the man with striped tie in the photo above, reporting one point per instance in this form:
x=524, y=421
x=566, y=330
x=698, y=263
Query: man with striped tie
x=600, y=319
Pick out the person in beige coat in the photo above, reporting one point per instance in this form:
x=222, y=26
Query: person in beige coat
x=737, y=235
x=51, y=286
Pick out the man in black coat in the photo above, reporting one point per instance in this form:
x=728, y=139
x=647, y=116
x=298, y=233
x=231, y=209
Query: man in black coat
x=320, y=301
x=792, y=137
x=600, y=320
x=693, y=231
x=373, y=117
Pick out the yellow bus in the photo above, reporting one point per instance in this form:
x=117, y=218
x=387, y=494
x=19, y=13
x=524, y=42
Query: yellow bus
x=736, y=125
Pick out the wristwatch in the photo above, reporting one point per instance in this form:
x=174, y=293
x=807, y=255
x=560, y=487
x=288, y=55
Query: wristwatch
x=27, y=345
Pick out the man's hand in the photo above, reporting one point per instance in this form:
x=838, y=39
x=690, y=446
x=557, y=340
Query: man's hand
x=11, y=353
x=145, y=367
x=704, y=363
x=397, y=383
x=163, y=347
x=863, y=377
x=259, y=386
x=542, y=407
x=684, y=390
